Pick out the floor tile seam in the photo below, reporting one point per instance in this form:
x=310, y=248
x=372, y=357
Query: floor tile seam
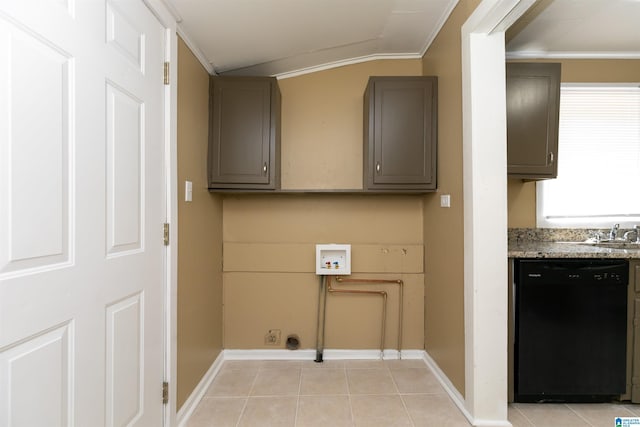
x=323, y=395
x=525, y=416
x=253, y=384
x=236, y=368
x=295, y=418
x=366, y=369
x=424, y=393
x=408, y=369
x=373, y=394
x=227, y=396
x=292, y=394
x=579, y=416
x=632, y=414
x=406, y=410
x=321, y=369
x=279, y=368
x=616, y=405
x=244, y=408
x=353, y=418
x=223, y=396
x=246, y=403
x=395, y=384
x=273, y=396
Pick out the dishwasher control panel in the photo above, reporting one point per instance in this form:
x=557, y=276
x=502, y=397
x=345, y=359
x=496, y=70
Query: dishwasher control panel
x=549, y=271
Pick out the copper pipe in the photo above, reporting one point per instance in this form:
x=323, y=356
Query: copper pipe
x=400, y=284
x=383, y=294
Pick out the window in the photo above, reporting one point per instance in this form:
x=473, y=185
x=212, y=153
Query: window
x=598, y=180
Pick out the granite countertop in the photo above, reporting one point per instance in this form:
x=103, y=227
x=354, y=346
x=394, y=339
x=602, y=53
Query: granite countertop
x=560, y=243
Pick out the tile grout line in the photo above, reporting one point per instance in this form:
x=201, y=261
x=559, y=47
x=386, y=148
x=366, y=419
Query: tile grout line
x=246, y=402
x=578, y=415
x=524, y=416
x=346, y=377
x=295, y=418
x=404, y=405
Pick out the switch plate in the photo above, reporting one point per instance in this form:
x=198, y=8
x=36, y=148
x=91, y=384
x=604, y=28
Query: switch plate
x=188, y=191
x=445, y=201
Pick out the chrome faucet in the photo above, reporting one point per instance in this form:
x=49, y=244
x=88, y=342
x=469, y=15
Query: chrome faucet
x=636, y=231
x=614, y=232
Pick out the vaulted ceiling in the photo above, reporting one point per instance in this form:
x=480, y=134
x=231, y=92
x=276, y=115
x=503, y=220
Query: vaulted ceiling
x=280, y=37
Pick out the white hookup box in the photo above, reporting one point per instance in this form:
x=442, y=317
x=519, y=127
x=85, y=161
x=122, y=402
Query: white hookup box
x=333, y=259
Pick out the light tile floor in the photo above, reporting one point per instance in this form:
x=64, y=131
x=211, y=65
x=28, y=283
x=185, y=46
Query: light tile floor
x=361, y=393
x=570, y=415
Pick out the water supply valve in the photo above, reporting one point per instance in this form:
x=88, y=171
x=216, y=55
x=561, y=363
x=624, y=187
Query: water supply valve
x=333, y=259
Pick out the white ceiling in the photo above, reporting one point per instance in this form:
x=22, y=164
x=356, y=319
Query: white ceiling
x=577, y=29
x=272, y=37
x=288, y=37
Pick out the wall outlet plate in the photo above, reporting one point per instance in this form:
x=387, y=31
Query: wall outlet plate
x=333, y=259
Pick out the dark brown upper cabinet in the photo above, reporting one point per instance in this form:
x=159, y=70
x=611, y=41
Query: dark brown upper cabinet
x=533, y=107
x=244, y=133
x=400, y=134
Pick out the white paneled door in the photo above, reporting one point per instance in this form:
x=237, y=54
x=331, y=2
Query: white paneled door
x=82, y=204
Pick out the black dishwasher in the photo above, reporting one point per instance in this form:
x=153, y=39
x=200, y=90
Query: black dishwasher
x=570, y=329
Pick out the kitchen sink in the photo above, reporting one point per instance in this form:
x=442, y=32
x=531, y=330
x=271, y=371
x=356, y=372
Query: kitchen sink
x=612, y=244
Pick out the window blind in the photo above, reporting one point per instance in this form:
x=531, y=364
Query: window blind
x=598, y=158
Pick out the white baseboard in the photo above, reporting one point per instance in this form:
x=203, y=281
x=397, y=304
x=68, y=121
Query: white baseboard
x=490, y=423
x=269, y=354
x=457, y=398
x=328, y=354
x=451, y=390
x=185, y=412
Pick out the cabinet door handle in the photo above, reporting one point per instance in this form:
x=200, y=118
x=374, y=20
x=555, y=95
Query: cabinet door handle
x=264, y=168
x=551, y=158
x=378, y=167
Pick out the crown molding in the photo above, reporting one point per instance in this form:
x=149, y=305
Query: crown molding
x=195, y=49
x=343, y=62
x=532, y=54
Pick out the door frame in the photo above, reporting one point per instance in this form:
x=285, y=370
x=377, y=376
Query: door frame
x=485, y=209
x=168, y=19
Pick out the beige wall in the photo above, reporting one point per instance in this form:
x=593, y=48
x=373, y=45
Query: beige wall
x=200, y=234
x=322, y=124
x=522, y=195
x=269, y=241
x=443, y=227
x=269, y=268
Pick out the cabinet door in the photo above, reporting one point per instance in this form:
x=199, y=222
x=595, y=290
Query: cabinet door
x=401, y=133
x=533, y=105
x=243, y=133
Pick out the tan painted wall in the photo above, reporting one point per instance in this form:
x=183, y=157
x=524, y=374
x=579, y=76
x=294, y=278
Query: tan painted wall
x=269, y=241
x=322, y=124
x=522, y=195
x=443, y=228
x=521, y=202
x=200, y=234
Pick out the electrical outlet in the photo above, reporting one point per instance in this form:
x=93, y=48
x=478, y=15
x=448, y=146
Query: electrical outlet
x=272, y=337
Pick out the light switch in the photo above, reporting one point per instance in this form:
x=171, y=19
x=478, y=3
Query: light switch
x=188, y=191
x=445, y=201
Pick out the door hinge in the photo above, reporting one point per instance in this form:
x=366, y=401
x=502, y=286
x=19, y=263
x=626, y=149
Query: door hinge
x=166, y=73
x=165, y=234
x=165, y=393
